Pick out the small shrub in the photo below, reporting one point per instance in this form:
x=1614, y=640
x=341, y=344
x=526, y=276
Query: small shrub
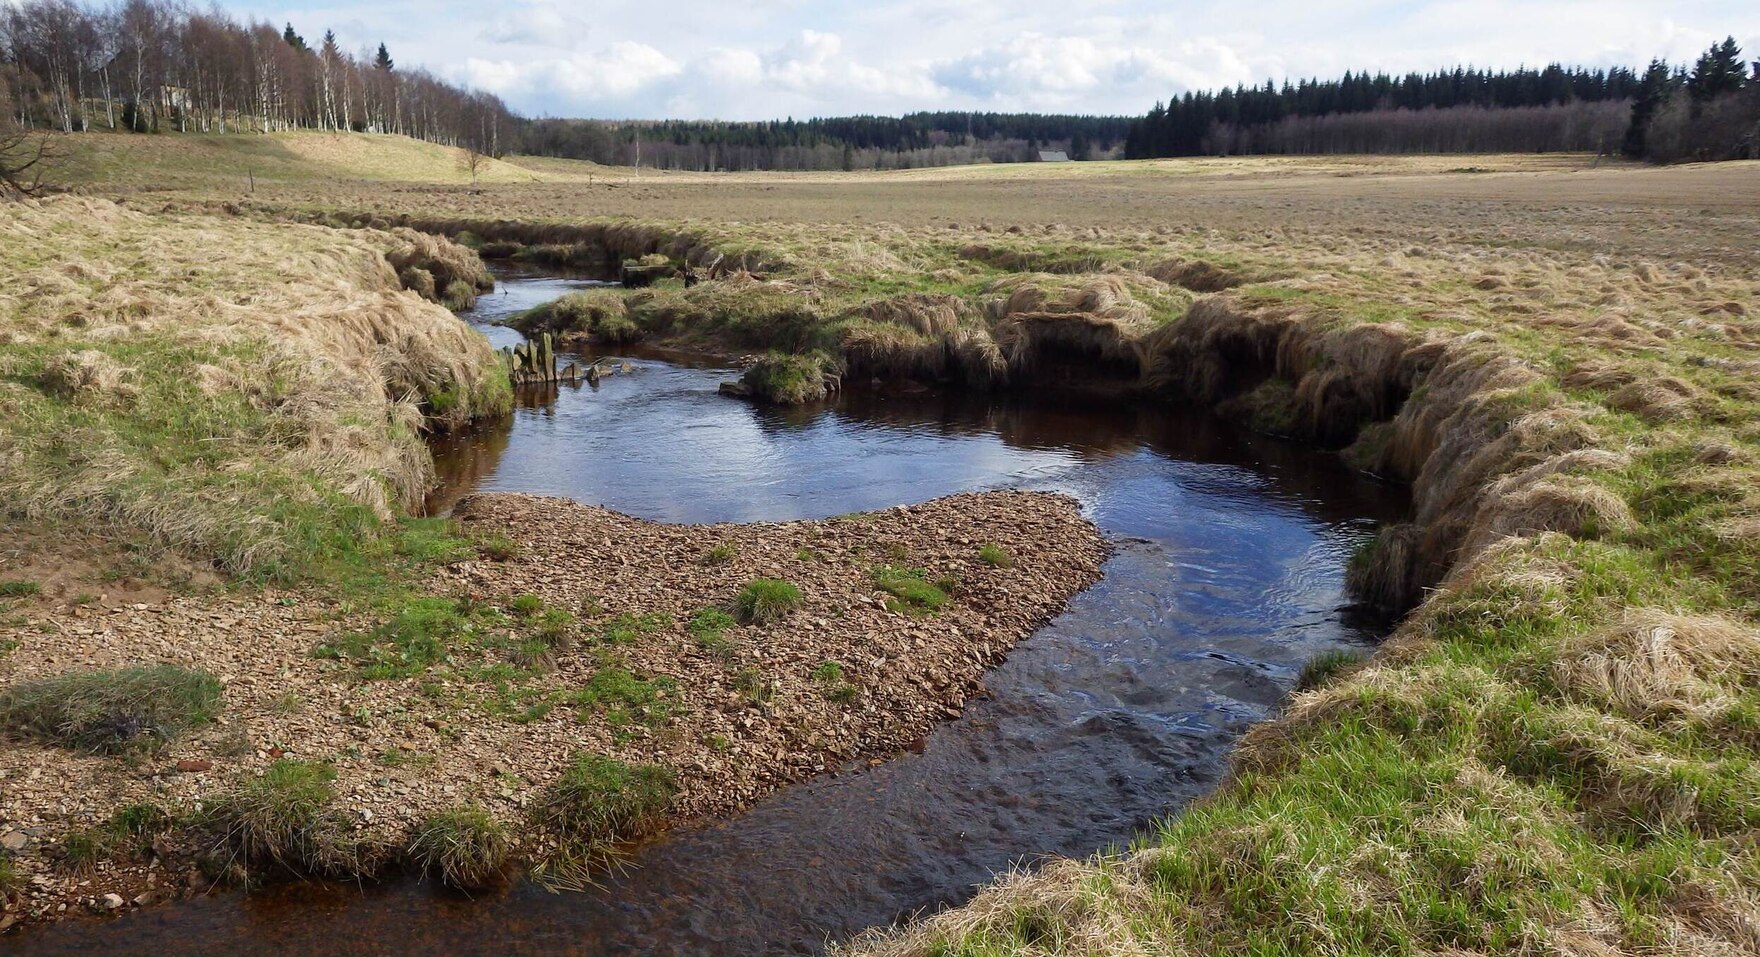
x=1326, y=667
x=19, y=588
x=721, y=554
x=466, y=847
x=111, y=711
x=828, y=673
x=910, y=589
x=765, y=600
x=553, y=627
x=284, y=816
x=995, y=556
x=603, y=800
x=525, y=606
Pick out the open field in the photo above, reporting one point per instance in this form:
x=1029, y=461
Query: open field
x=1557, y=751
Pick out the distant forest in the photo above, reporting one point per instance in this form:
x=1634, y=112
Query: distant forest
x=158, y=66
x=153, y=66
x=1665, y=113
x=829, y=143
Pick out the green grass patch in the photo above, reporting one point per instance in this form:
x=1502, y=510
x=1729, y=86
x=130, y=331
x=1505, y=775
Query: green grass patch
x=627, y=628
x=832, y=682
x=910, y=589
x=111, y=711
x=709, y=627
x=19, y=588
x=625, y=699
x=721, y=554
x=995, y=556
x=766, y=600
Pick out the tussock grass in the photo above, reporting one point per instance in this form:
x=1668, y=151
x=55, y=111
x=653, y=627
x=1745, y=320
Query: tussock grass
x=464, y=846
x=247, y=393
x=286, y=817
x=128, y=709
x=792, y=379
x=766, y=600
x=600, y=800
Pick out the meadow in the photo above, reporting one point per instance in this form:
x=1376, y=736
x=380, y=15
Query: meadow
x=1556, y=750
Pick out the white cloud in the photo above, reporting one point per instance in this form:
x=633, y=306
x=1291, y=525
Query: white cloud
x=543, y=24
x=790, y=57
x=619, y=71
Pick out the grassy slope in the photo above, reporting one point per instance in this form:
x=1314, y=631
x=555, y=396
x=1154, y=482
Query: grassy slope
x=244, y=393
x=1557, y=753
x=123, y=160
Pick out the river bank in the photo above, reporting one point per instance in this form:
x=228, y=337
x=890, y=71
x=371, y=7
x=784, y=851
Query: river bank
x=899, y=615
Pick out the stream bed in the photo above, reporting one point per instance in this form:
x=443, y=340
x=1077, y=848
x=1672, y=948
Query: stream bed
x=1227, y=577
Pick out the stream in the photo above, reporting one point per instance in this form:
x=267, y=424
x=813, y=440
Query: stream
x=1227, y=577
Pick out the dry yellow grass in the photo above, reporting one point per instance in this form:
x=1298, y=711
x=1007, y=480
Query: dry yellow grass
x=219, y=384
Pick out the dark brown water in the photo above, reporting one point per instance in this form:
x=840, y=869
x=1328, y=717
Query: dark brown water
x=1227, y=578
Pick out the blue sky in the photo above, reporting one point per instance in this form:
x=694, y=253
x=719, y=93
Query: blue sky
x=773, y=58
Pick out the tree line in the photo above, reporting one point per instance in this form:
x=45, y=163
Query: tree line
x=1710, y=111
x=828, y=143
x=157, y=65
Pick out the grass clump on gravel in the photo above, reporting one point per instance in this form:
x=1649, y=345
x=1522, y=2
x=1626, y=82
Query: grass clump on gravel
x=127, y=832
x=709, y=627
x=830, y=676
x=995, y=556
x=286, y=816
x=601, y=800
x=464, y=846
x=111, y=711
x=765, y=600
x=11, y=881
x=910, y=589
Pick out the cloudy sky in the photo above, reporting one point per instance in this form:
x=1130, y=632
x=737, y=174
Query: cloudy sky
x=762, y=59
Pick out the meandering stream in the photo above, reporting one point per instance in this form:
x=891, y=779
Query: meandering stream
x=1227, y=577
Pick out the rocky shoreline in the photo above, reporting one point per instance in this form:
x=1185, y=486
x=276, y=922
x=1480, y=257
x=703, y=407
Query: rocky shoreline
x=859, y=670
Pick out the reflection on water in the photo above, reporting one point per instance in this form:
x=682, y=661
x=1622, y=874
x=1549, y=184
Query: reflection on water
x=1226, y=579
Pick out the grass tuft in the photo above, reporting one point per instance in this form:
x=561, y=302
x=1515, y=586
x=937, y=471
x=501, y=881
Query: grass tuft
x=1328, y=666
x=995, y=556
x=911, y=590
x=601, y=800
x=285, y=816
x=464, y=846
x=765, y=600
x=107, y=712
